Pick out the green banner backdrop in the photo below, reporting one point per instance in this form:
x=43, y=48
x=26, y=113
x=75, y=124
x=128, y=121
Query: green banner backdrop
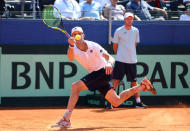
x=52, y=75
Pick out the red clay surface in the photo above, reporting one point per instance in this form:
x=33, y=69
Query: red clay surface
x=98, y=119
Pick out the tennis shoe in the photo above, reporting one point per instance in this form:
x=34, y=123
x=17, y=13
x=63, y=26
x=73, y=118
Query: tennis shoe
x=148, y=86
x=140, y=105
x=62, y=123
x=109, y=106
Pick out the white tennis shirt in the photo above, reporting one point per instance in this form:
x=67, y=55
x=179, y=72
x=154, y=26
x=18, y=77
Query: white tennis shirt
x=126, y=40
x=92, y=59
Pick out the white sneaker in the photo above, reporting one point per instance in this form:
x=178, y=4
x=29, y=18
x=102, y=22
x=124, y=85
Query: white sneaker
x=62, y=123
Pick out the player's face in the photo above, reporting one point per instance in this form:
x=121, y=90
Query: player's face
x=128, y=21
x=78, y=33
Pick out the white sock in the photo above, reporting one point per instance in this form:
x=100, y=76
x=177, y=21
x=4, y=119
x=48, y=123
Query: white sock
x=67, y=115
x=138, y=100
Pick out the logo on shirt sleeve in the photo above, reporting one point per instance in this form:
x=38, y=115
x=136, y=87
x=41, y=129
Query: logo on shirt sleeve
x=91, y=51
x=101, y=51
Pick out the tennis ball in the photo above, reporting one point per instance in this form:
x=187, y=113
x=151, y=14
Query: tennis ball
x=77, y=37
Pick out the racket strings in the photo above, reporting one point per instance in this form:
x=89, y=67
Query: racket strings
x=51, y=16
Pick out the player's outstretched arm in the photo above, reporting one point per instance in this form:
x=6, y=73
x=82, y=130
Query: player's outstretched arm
x=70, y=52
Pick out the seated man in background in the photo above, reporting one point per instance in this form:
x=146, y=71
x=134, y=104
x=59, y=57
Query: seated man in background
x=91, y=10
x=186, y=16
x=141, y=9
x=69, y=9
x=117, y=11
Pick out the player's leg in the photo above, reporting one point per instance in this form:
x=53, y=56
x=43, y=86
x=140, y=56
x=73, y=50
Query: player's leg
x=76, y=88
x=115, y=83
x=131, y=77
x=92, y=82
x=116, y=100
x=118, y=73
x=137, y=95
x=139, y=103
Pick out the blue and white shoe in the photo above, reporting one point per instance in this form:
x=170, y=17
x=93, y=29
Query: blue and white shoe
x=140, y=105
x=62, y=123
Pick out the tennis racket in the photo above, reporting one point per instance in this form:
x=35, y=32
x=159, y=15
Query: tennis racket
x=51, y=16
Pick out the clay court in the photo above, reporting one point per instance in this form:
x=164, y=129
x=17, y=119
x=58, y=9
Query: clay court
x=98, y=119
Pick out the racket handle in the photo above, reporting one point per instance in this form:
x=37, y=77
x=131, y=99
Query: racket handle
x=67, y=35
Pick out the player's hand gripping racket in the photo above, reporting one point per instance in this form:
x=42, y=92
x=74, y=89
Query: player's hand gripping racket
x=51, y=16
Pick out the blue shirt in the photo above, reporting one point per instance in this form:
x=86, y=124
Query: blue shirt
x=91, y=10
x=142, y=9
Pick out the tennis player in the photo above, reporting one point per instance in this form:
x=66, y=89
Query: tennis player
x=99, y=64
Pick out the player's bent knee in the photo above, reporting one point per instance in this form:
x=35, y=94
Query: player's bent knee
x=75, y=88
x=112, y=97
x=78, y=86
x=115, y=104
